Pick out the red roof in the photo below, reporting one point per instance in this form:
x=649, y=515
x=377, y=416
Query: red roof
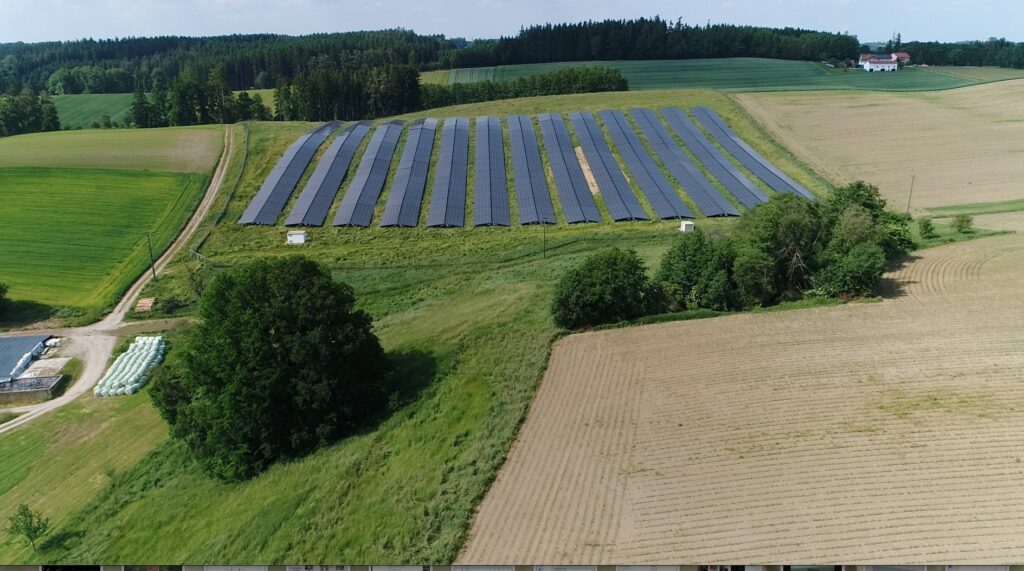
x=901, y=54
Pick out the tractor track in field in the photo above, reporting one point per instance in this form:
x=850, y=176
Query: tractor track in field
x=94, y=344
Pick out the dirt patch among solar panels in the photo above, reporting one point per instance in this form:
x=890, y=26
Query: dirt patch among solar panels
x=862, y=432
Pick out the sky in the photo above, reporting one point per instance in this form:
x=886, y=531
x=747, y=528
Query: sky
x=942, y=20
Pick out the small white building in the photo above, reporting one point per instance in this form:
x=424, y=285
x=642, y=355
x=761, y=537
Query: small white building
x=881, y=65
x=686, y=226
x=296, y=237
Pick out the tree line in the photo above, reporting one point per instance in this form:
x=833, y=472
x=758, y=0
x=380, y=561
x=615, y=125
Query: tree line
x=27, y=113
x=653, y=39
x=188, y=101
x=786, y=249
x=583, y=79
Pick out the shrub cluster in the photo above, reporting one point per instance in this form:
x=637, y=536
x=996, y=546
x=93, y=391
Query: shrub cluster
x=781, y=250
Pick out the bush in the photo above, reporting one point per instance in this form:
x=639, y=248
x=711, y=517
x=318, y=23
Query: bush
x=280, y=365
x=608, y=287
x=681, y=267
x=926, y=228
x=895, y=234
x=854, y=274
x=963, y=223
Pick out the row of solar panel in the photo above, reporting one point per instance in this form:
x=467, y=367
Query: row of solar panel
x=491, y=206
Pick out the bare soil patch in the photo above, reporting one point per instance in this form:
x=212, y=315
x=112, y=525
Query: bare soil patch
x=877, y=432
x=964, y=145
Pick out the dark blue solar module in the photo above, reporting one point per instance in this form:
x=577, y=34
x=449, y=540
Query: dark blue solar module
x=573, y=192
x=746, y=155
x=732, y=178
x=618, y=195
x=448, y=197
x=361, y=197
x=322, y=187
x=528, y=173
x=277, y=188
x=490, y=196
x=648, y=176
x=406, y=194
x=707, y=198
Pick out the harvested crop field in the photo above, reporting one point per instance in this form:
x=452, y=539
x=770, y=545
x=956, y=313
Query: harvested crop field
x=965, y=145
x=860, y=433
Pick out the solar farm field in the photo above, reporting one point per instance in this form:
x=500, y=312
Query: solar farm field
x=74, y=237
x=458, y=309
x=861, y=432
x=963, y=145
x=744, y=74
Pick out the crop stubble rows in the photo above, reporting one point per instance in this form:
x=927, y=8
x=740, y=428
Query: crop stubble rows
x=868, y=432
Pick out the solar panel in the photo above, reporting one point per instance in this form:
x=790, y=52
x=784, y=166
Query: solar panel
x=732, y=178
x=618, y=195
x=532, y=194
x=361, y=197
x=277, y=188
x=490, y=207
x=322, y=187
x=406, y=194
x=746, y=155
x=648, y=176
x=448, y=198
x=573, y=191
x=707, y=198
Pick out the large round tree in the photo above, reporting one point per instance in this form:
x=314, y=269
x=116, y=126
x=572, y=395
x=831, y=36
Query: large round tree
x=280, y=364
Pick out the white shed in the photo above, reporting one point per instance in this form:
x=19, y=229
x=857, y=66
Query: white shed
x=881, y=65
x=296, y=237
x=686, y=226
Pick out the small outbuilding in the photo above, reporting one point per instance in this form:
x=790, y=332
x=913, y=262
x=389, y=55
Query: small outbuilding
x=296, y=237
x=686, y=226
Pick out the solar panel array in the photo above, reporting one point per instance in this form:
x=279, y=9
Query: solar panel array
x=746, y=155
x=532, y=194
x=357, y=206
x=707, y=198
x=325, y=182
x=406, y=194
x=448, y=198
x=647, y=174
x=490, y=195
x=732, y=178
x=618, y=195
x=277, y=188
x=651, y=154
x=573, y=192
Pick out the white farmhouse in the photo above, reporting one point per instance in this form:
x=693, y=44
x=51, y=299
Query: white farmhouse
x=881, y=65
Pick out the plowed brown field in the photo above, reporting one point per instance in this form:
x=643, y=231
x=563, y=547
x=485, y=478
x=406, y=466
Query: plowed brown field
x=964, y=145
x=887, y=432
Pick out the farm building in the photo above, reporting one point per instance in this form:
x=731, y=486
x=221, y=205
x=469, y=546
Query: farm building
x=16, y=353
x=883, y=62
x=881, y=65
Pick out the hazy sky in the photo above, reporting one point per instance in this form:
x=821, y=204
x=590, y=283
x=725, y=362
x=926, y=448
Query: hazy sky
x=871, y=20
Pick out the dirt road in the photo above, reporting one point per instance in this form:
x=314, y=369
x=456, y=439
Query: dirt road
x=94, y=344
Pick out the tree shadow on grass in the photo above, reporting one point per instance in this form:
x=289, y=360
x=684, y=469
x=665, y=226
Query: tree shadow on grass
x=61, y=540
x=18, y=314
x=893, y=287
x=409, y=373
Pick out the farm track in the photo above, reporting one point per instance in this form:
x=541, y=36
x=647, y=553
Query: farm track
x=861, y=433
x=94, y=344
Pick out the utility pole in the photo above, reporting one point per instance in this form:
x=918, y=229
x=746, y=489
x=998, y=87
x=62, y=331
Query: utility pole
x=152, y=262
x=911, y=195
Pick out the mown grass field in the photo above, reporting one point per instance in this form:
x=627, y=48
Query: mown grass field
x=466, y=313
x=172, y=149
x=82, y=110
x=76, y=237
x=752, y=74
x=77, y=205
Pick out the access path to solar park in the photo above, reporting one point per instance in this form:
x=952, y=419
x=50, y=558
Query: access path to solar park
x=94, y=344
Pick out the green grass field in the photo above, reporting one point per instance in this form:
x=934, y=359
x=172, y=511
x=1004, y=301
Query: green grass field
x=464, y=310
x=752, y=74
x=173, y=149
x=78, y=203
x=81, y=111
x=75, y=237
